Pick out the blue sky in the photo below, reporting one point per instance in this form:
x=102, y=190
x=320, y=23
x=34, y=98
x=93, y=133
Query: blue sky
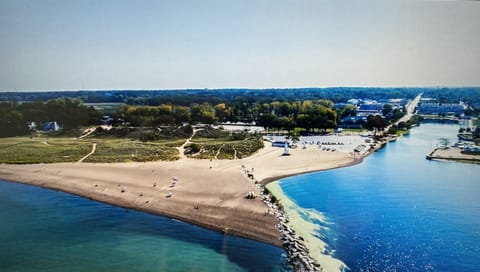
x=116, y=44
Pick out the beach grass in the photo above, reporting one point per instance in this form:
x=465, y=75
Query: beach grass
x=225, y=148
x=125, y=150
x=213, y=143
x=26, y=150
x=42, y=149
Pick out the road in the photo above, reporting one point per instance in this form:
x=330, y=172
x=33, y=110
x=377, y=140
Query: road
x=410, y=109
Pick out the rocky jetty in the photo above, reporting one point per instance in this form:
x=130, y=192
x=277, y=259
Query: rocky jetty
x=298, y=253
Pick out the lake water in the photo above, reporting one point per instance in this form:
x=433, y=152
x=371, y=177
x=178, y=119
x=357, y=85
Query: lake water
x=397, y=211
x=44, y=230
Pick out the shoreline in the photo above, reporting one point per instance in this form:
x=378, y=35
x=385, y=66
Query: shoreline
x=354, y=161
x=209, y=194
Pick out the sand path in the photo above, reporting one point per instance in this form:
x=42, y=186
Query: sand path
x=181, y=149
x=94, y=147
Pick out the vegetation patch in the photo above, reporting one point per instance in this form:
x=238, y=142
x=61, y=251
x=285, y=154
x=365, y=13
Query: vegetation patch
x=220, y=149
x=148, y=134
x=25, y=150
x=124, y=150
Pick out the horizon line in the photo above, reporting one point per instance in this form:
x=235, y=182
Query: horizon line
x=237, y=88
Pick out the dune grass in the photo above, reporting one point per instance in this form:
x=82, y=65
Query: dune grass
x=25, y=150
x=124, y=150
x=225, y=148
x=209, y=144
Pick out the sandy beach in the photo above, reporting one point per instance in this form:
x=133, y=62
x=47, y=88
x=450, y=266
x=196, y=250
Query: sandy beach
x=203, y=192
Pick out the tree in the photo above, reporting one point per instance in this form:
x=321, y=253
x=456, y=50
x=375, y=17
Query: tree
x=305, y=121
x=286, y=123
x=203, y=113
x=376, y=122
x=222, y=112
x=348, y=110
x=397, y=114
x=268, y=120
x=403, y=125
x=387, y=108
x=181, y=115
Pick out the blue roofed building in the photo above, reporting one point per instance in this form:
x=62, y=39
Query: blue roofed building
x=51, y=126
x=440, y=108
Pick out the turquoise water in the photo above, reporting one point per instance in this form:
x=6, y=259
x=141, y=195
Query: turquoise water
x=44, y=230
x=397, y=211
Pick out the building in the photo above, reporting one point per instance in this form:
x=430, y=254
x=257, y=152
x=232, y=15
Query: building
x=370, y=109
x=440, y=108
x=352, y=121
x=51, y=126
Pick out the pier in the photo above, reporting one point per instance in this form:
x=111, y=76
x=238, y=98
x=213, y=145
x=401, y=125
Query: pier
x=453, y=154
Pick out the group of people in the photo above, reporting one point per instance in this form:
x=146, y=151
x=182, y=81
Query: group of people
x=250, y=195
x=174, y=182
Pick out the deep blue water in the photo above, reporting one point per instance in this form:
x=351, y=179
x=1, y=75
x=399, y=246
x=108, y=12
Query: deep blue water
x=397, y=211
x=44, y=230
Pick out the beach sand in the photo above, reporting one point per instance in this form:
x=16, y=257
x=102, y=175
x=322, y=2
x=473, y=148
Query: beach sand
x=206, y=193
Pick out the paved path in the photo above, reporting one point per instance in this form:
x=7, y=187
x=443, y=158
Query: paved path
x=94, y=147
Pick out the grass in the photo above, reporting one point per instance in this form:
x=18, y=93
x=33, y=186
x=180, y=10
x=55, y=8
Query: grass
x=25, y=150
x=226, y=148
x=112, y=148
x=124, y=150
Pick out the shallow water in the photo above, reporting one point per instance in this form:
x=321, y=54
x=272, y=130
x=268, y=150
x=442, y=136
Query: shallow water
x=45, y=230
x=397, y=211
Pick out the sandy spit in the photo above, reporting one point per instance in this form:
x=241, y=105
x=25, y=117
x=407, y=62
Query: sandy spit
x=203, y=192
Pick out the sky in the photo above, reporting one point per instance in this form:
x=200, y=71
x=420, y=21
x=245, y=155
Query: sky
x=177, y=44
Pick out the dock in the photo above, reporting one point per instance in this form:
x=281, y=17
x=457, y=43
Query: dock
x=453, y=154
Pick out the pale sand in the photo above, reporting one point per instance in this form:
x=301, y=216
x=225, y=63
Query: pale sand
x=207, y=193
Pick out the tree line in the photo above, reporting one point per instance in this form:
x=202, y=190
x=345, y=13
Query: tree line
x=318, y=114
x=308, y=114
x=70, y=113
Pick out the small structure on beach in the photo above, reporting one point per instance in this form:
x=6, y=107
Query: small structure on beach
x=285, y=150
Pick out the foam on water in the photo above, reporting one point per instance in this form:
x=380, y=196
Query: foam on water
x=312, y=226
